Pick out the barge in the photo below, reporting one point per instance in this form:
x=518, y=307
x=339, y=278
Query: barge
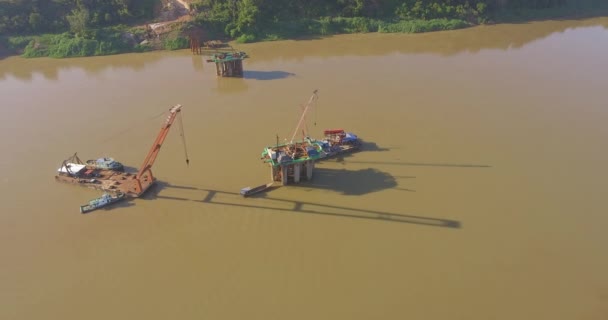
x=132, y=185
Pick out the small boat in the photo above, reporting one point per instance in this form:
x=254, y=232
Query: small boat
x=105, y=164
x=105, y=200
x=245, y=192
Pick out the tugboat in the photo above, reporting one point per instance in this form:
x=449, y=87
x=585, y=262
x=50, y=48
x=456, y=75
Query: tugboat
x=106, y=164
x=105, y=200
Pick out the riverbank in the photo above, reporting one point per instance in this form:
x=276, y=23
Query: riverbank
x=173, y=34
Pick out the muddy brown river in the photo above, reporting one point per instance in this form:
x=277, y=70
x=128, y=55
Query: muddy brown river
x=480, y=193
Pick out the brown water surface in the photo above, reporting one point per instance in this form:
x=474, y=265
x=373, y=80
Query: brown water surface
x=481, y=192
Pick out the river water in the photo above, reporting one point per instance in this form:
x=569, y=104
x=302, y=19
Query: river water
x=480, y=192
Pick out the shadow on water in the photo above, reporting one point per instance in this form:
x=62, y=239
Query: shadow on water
x=349, y=182
x=421, y=164
x=198, y=63
x=296, y=206
x=50, y=68
x=367, y=146
x=266, y=75
x=372, y=146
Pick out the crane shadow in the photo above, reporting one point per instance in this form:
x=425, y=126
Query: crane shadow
x=422, y=164
x=368, y=146
x=267, y=75
x=234, y=199
x=372, y=146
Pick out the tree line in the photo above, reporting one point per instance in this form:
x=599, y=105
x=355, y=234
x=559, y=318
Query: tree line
x=47, y=16
x=237, y=17
x=272, y=19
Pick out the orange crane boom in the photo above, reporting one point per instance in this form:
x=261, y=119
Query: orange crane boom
x=153, y=153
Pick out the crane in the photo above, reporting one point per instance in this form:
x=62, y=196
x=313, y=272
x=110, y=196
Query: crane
x=73, y=170
x=144, y=177
x=312, y=99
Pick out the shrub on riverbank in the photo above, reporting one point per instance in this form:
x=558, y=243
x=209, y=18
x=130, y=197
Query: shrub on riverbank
x=417, y=26
x=101, y=42
x=175, y=43
x=98, y=42
x=330, y=26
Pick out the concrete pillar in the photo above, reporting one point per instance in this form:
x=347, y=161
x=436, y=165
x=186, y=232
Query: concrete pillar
x=239, y=65
x=284, y=175
x=296, y=172
x=309, y=167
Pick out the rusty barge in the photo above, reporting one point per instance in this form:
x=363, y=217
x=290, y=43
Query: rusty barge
x=132, y=185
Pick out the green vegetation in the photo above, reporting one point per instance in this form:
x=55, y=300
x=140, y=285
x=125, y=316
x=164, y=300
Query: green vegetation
x=175, y=43
x=49, y=16
x=250, y=20
x=103, y=41
x=65, y=28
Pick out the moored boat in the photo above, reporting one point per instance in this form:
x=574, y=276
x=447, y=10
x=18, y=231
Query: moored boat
x=248, y=191
x=338, y=141
x=105, y=200
x=341, y=137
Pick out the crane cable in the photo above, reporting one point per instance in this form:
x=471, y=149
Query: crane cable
x=316, y=110
x=181, y=133
x=131, y=127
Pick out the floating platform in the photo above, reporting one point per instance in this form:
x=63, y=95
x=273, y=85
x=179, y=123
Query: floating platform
x=290, y=162
x=295, y=152
x=106, y=180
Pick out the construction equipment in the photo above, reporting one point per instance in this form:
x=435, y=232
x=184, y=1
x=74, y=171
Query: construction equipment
x=146, y=169
x=132, y=185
